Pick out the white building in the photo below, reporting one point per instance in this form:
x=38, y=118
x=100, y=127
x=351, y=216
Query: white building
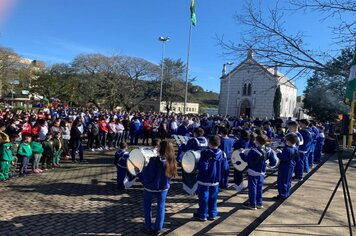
x=249, y=90
x=177, y=107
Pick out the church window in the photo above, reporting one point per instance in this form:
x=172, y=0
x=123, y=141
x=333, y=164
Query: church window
x=244, y=90
x=249, y=88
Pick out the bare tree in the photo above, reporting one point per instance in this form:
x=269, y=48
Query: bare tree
x=273, y=44
x=345, y=31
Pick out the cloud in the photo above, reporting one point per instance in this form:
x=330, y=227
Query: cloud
x=71, y=46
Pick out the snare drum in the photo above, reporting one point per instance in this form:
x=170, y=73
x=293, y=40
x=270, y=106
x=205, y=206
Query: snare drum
x=139, y=158
x=237, y=161
x=189, y=161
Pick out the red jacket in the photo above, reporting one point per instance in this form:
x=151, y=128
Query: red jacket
x=103, y=126
x=26, y=128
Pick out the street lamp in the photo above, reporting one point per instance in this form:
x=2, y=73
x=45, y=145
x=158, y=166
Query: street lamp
x=163, y=40
x=228, y=86
x=13, y=82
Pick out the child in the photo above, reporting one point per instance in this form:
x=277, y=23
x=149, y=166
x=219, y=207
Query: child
x=58, y=149
x=287, y=159
x=120, y=162
x=226, y=144
x=5, y=156
x=302, y=165
x=320, y=139
x=37, y=151
x=256, y=164
x=48, y=152
x=211, y=166
x=25, y=153
x=156, y=179
x=14, y=147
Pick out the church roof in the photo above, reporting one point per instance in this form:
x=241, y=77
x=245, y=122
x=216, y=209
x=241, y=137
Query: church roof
x=282, y=79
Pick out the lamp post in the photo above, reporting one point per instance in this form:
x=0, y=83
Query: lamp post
x=163, y=40
x=13, y=82
x=228, y=86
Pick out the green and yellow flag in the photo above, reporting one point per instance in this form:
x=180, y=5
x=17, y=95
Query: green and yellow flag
x=351, y=83
x=192, y=13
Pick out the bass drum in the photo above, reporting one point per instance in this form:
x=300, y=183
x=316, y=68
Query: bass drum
x=189, y=161
x=237, y=161
x=139, y=158
x=269, y=167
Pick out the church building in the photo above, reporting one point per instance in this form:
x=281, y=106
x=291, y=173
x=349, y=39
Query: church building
x=249, y=90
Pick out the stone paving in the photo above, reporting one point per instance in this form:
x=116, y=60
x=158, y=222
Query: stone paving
x=82, y=199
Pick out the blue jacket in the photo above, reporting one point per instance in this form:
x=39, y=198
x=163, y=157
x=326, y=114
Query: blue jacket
x=269, y=133
x=153, y=177
x=226, y=145
x=256, y=160
x=241, y=143
x=300, y=138
x=183, y=130
x=307, y=140
x=135, y=126
x=121, y=157
x=320, y=139
x=288, y=156
x=195, y=144
x=315, y=132
x=211, y=165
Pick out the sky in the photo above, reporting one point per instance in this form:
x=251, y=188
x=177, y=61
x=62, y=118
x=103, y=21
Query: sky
x=55, y=31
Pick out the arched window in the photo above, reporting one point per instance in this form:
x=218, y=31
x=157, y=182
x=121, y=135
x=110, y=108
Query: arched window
x=249, y=89
x=244, y=90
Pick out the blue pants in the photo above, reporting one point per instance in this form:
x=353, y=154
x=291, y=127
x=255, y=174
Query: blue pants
x=224, y=182
x=238, y=177
x=134, y=137
x=255, y=185
x=284, y=179
x=208, y=201
x=24, y=165
x=311, y=155
x=317, y=154
x=306, y=162
x=79, y=148
x=121, y=175
x=147, y=203
x=299, y=165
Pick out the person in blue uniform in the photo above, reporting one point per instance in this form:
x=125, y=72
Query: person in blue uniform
x=256, y=164
x=320, y=139
x=292, y=127
x=156, y=178
x=226, y=144
x=120, y=162
x=135, y=131
x=287, y=158
x=314, y=132
x=269, y=130
x=210, y=168
x=242, y=143
x=197, y=143
x=302, y=160
x=183, y=129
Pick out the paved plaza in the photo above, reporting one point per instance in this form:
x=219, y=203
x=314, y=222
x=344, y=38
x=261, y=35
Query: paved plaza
x=82, y=199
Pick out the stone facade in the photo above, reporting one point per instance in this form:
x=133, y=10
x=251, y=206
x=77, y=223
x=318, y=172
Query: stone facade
x=249, y=89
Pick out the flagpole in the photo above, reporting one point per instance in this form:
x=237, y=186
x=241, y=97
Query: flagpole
x=352, y=116
x=187, y=72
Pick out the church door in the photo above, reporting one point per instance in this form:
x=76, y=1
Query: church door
x=245, y=108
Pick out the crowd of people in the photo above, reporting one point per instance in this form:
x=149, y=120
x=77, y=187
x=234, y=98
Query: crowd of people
x=36, y=141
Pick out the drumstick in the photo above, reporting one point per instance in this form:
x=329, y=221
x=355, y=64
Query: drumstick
x=132, y=163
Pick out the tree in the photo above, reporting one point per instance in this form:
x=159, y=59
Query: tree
x=325, y=91
x=274, y=45
x=277, y=102
x=173, y=85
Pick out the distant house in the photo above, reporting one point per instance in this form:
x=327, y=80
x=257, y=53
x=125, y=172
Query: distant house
x=177, y=107
x=251, y=90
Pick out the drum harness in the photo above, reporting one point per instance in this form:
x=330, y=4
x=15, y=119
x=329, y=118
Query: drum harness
x=122, y=153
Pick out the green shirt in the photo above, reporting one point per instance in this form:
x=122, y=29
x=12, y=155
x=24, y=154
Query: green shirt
x=5, y=152
x=36, y=147
x=25, y=150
